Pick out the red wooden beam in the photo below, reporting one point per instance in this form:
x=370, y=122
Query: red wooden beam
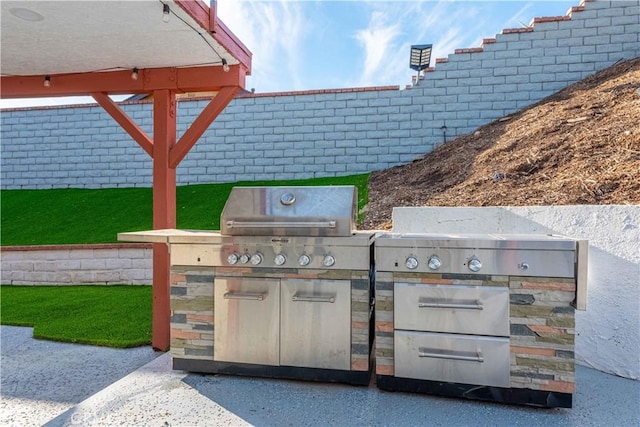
x=164, y=211
x=200, y=124
x=125, y=121
x=199, y=11
x=238, y=50
x=206, y=18
x=195, y=79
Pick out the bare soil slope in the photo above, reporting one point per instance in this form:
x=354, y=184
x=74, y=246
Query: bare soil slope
x=578, y=146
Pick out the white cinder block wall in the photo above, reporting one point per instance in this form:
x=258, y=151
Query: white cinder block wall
x=108, y=264
x=348, y=131
x=326, y=132
x=608, y=332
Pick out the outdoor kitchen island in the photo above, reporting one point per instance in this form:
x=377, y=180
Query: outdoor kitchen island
x=284, y=290
x=487, y=317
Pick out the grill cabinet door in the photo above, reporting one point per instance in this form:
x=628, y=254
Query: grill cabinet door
x=316, y=324
x=246, y=320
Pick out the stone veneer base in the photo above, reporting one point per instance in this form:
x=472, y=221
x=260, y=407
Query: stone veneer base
x=193, y=322
x=541, y=323
x=519, y=396
x=265, y=371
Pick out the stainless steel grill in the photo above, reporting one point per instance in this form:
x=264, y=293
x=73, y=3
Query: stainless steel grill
x=287, y=282
x=290, y=211
x=291, y=315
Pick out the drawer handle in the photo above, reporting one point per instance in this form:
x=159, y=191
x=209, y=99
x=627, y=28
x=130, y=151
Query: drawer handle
x=477, y=305
x=244, y=295
x=314, y=298
x=463, y=355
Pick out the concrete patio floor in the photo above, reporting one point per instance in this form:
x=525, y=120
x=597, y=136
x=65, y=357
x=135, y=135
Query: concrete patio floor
x=155, y=395
x=41, y=379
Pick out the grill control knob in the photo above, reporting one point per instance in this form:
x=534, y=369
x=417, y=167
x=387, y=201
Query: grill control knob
x=256, y=258
x=328, y=261
x=244, y=258
x=434, y=263
x=411, y=263
x=474, y=264
x=280, y=259
x=233, y=258
x=304, y=260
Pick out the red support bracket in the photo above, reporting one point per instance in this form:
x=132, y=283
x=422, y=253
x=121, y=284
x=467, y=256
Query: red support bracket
x=200, y=124
x=125, y=121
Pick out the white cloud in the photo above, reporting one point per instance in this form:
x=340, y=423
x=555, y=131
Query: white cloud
x=439, y=23
x=274, y=32
x=378, y=41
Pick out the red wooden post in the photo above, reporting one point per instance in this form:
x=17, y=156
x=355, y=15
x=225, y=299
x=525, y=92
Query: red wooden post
x=164, y=210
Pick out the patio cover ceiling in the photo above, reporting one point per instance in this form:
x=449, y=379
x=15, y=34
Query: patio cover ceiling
x=93, y=46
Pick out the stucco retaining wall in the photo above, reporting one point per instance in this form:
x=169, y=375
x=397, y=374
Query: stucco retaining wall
x=295, y=135
x=608, y=332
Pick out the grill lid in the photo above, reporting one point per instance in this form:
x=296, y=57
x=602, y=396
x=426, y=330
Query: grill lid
x=290, y=211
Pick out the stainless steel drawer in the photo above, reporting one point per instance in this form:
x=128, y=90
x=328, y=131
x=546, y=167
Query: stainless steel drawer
x=452, y=358
x=247, y=320
x=482, y=310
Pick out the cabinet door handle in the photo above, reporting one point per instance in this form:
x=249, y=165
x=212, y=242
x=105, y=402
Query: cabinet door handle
x=314, y=298
x=438, y=354
x=426, y=303
x=255, y=296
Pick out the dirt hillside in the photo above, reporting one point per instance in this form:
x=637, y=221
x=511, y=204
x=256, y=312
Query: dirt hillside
x=578, y=146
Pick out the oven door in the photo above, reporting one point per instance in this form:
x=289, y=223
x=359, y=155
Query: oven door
x=316, y=324
x=246, y=320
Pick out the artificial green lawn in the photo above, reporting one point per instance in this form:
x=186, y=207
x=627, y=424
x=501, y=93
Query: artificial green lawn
x=75, y=216
x=113, y=316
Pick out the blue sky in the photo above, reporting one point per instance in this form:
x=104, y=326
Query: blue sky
x=300, y=45
x=307, y=44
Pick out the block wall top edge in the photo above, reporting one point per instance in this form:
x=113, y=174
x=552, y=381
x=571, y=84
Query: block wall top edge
x=550, y=19
x=76, y=247
x=530, y=28
x=319, y=91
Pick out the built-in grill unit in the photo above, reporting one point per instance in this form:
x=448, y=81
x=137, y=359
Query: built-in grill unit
x=287, y=289
x=284, y=289
x=477, y=316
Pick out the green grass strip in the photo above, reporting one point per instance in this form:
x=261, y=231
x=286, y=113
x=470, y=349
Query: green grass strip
x=112, y=316
x=79, y=216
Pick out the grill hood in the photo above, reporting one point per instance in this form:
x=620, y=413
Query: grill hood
x=290, y=211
